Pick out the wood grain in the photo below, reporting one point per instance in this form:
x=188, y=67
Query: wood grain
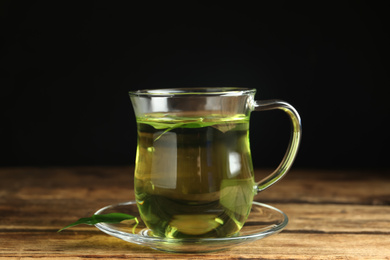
x=333, y=215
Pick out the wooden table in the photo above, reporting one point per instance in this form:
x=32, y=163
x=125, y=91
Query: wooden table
x=333, y=215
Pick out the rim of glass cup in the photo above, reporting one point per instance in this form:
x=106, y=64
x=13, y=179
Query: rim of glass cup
x=205, y=91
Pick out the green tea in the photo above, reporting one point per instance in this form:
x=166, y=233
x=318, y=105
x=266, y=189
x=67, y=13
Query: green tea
x=194, y=175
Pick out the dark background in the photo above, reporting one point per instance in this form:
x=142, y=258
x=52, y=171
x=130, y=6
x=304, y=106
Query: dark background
x=66, y=68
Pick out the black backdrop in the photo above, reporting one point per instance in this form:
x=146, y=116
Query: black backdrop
x=66, y=68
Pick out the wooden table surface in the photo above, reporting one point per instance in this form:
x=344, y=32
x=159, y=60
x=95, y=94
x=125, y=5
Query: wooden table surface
x=332, y=215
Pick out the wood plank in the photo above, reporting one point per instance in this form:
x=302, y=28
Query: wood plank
x=299, y=186
x=347, y=219
x=329, y=187
x=73, y=245
x=67, y=194
x=333, y=215
x=46, y=215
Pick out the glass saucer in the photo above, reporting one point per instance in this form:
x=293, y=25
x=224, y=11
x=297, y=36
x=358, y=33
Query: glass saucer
x=263, y=221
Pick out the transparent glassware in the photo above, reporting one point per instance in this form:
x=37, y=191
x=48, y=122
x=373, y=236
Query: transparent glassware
x=263, y=221
x=194, y=176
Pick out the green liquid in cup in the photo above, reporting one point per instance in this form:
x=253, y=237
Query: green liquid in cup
x=194, y=175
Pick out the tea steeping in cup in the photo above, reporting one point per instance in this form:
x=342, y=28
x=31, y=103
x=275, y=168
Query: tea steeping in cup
x=194, y=173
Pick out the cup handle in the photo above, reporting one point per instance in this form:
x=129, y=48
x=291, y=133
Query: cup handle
x=295, y=139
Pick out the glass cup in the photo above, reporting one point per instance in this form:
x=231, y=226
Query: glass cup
x=194, y=175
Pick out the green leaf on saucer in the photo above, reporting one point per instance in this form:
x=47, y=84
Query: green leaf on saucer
x=104, y=218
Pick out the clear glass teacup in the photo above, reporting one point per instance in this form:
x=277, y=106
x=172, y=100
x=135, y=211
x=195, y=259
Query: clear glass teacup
x=194, y=175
